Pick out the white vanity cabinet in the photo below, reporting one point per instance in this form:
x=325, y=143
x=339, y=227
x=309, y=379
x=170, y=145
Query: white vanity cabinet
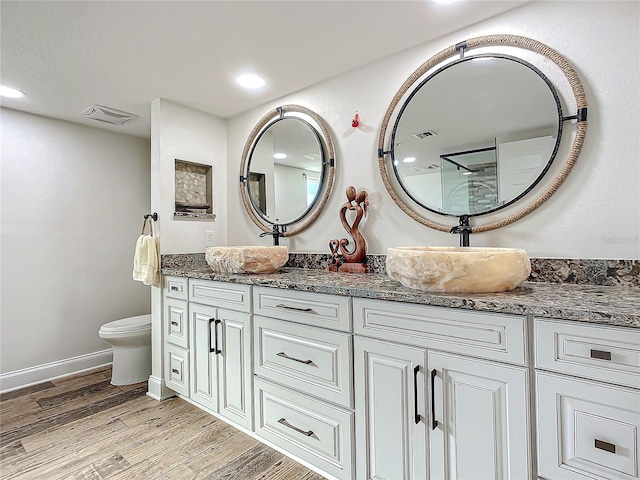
x=588, y=401
x=423, y=409
x=221, y=372
x=175, y=327
x=304, y=381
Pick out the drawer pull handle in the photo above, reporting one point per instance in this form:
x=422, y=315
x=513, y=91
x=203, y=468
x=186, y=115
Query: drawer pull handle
x=284, y=355
x=175, y=370
x=600, y=354
x=175, y=288
x=284, y=422
x=173, y=322
x=434, y=422
x=606, y=446
x=282, y=305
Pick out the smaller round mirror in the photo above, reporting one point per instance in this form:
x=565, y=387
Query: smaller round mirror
x=287, y=170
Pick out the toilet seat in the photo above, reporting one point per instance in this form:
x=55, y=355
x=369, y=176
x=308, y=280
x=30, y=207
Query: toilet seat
x=128, y=325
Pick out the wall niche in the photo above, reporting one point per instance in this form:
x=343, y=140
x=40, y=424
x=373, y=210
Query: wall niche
x=194, y=191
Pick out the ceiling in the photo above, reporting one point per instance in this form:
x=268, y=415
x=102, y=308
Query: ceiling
x=69, y=55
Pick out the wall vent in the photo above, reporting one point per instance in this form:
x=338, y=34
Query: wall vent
x=108, y=115
x=423, y=135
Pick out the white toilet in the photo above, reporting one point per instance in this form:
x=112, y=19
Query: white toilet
x=131, y=341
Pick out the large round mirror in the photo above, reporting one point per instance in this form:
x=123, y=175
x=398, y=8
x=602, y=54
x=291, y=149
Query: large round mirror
x=470, y=133
x=287, y=170
x=468, y=141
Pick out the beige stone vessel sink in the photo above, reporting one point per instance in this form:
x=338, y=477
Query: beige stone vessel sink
x=246, y=259
x=458, y=269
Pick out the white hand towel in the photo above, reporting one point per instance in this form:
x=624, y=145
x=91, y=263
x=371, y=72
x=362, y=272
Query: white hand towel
x=146, y=265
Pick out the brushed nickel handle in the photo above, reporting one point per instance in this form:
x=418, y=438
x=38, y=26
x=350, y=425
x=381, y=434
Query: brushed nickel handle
x=284, y=355
x=282, y=305
x=284, y=422
x=606, y=446
x=600, y=354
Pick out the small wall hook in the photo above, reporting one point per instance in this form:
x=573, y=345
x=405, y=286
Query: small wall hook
x=355, y=123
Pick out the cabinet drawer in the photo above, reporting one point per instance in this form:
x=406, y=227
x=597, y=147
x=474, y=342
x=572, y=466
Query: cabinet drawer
x=315, y=309
x=175, y=287
x=314, y=360
x=176, y=322
x=599, y=352
x=221, y=294
x=486, y=335
x=177, y=369
x=313, y=430
x=586, y=430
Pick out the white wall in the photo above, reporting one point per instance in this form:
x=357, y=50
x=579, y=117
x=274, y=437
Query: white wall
x=73, y=200
x=182, y=133
x=595, y=214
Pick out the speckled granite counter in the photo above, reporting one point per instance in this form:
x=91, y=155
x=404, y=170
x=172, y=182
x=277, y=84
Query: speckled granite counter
x=586, y=303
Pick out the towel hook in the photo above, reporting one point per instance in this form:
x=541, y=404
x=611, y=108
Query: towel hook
x=153, y=215
x=147, y=218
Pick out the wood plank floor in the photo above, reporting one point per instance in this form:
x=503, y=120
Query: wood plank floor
x=82, y=427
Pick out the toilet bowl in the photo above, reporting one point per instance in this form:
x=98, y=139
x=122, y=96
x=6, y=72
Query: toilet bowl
x=131, y=341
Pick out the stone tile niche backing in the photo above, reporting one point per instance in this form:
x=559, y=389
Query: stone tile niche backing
x=193, y=193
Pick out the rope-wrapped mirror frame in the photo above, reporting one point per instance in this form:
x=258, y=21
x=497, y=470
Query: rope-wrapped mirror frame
x=330, y=166
x=491, y=40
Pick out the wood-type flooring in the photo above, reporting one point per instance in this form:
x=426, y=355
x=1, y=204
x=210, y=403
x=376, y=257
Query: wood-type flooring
x=82, y=427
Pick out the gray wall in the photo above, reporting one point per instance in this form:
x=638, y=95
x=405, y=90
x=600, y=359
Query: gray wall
x=73, y=199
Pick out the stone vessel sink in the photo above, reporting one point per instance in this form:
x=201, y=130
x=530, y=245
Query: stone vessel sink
x=458, y=269
x=246, y=259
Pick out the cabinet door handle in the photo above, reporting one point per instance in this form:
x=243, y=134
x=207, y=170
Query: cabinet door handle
x=600, y=354
x=173, y=322
x=284, y=355
x=176, y=371
x=174, y=288
x=416, y=415
x=434, y=422
x=282, y=305
x=284, y=422
x=211, y=349
x=606, y=446
x=215, y=327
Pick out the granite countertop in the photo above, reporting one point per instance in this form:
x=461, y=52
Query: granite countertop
x=586, y=303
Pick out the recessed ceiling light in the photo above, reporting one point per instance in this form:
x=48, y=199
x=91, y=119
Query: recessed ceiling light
x=250, y=80
x=11, y=92
x=395, y=162
x=409, y=159
x=279, y=155
x=445, y=2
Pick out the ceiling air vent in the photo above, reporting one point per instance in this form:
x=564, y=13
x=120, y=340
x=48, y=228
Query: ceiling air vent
x=108, y=115
x=423, y=135
x=424, y=168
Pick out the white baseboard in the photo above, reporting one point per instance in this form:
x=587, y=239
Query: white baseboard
x=49, y=371
x=158, y=389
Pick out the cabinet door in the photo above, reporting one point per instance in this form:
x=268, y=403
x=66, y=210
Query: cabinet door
x=391, y=434
x=204, y=361
x=480, y=424
x=234, y=367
